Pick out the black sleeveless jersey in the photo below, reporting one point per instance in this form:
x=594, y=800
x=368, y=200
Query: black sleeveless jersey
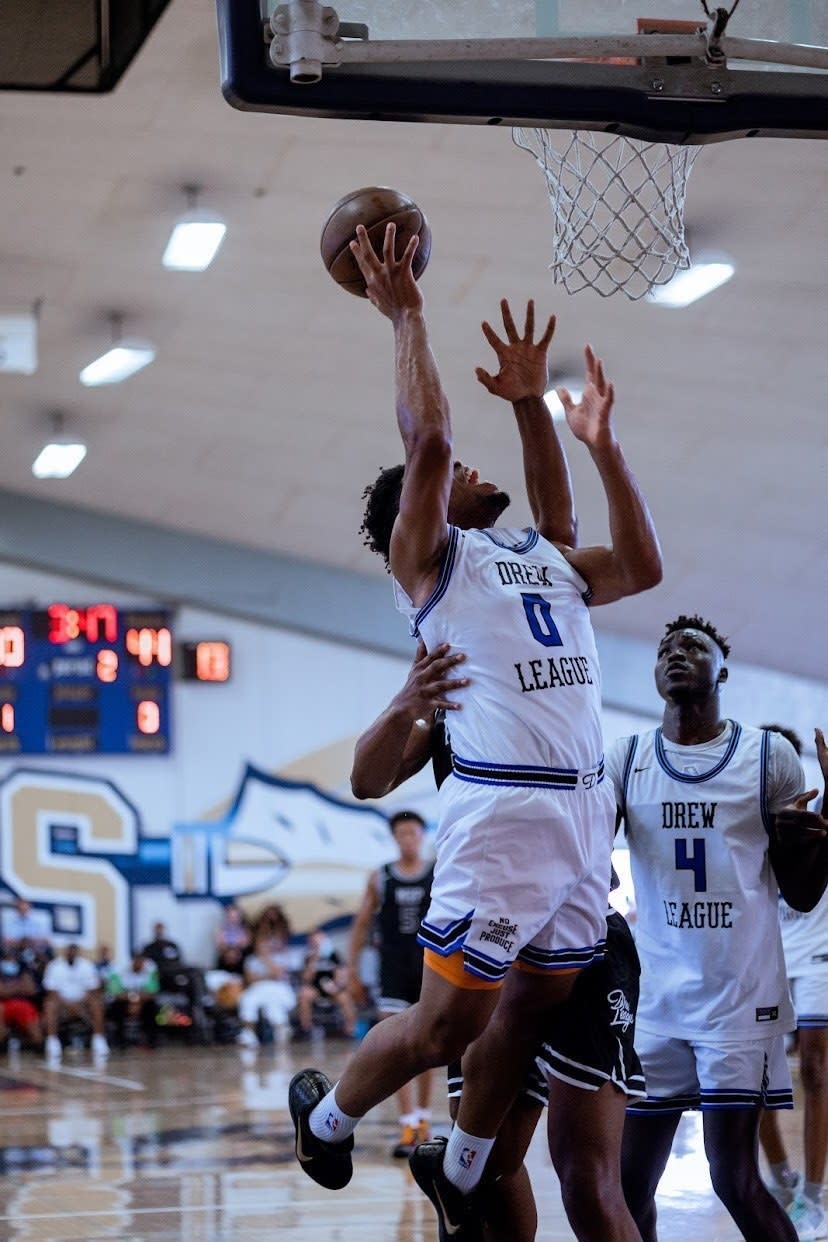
x=403, y=902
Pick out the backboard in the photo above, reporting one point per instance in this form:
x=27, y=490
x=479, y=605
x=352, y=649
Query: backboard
x=565, y=64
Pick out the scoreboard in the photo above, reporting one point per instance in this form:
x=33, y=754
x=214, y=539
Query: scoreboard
x=85, y=680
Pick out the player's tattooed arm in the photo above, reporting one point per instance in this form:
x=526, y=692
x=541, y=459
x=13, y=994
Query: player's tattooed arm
x=398, y=743
x=420, y=532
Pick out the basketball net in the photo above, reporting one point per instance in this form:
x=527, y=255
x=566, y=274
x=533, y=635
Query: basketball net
x=618, y=207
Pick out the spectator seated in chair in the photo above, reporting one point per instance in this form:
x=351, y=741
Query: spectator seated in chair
x=25, y=926
x=73, y=990
x=183, y=990
x=325, y=988
x=19, y=990
x=132, y=993
x=267, y=992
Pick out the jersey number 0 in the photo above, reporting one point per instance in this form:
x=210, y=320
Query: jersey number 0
x=539, y=615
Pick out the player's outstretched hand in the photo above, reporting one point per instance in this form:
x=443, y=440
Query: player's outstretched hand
x=522, y=361
x=389, y=282
x=796, y=823
x=429, y=683
x=590, y=418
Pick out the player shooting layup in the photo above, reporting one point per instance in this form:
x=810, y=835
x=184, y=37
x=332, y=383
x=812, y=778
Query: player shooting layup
x=522, y=849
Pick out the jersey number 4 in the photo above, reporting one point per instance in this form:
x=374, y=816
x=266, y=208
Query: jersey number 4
x=539, y=615
x=695, y=862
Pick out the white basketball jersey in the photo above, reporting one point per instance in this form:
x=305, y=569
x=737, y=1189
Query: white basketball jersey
x=805, y=939
x=515, y=606
x=708, y=935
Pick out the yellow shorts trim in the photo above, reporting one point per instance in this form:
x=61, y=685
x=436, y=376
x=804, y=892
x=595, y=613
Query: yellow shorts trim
x=531, y=969
x=453, y=969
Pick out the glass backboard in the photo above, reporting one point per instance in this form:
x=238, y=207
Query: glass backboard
x=555, y=63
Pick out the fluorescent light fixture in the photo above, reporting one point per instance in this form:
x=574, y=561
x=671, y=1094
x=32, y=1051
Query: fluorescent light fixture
x=18, y=342
x=61, y=456
x=194, y=242
x=58, y=461
x=575, y=387
x=689, y=286
x=118, y=363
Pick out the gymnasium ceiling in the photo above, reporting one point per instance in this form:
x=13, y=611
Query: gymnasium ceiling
x=270, y=403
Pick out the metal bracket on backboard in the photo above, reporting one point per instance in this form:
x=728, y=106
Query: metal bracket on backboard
x=660, y=87
x=308, y=36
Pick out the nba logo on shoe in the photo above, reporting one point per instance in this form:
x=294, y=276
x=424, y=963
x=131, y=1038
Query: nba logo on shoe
x=332, y=1123
x=467, y=1156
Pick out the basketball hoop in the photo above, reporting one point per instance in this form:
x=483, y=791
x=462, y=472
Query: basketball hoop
x=618, y=205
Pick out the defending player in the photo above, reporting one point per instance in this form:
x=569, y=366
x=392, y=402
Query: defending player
x=587, y=1069
x=715, y=819
x=522, y=849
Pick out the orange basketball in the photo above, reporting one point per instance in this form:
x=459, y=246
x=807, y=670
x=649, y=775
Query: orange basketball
x=375, y=207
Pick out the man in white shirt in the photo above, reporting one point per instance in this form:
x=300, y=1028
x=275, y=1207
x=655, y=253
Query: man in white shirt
x=73, y=989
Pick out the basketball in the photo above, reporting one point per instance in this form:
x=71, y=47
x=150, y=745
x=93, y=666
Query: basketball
x=375, y=207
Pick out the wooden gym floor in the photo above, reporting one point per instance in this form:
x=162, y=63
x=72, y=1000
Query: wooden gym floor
x=196, y=1144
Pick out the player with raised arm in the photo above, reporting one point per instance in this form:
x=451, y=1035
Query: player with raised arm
x=715, y=819
x=522, y=867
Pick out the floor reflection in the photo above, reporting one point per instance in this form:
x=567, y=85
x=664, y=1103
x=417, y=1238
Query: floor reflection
x=197, y=1144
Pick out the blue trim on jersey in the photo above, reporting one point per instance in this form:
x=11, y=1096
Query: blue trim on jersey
x=449, y=557
x=812, y=1021
x=664, y=1104
x=625, y=775
x=521, y=548
x=523, y=775
x=664, y=763
x=764, y=768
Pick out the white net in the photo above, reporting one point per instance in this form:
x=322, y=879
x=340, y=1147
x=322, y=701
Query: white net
x=618, y=206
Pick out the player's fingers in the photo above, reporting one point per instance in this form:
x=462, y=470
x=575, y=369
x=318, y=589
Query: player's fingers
x=508, y=321
x=363, y=252
x=421, y=652
x=529, y=323
x=408, y=253
x=441, y=659
x=819, y=737
x=485, y=379
x=388, y=243
x=600, y=381
x=546, y=339
x=492, y=337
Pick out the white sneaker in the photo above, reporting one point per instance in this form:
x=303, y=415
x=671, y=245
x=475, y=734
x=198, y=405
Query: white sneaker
x=100, y=1048
x=247, y=1038
x=786, y=1195
x=808, y=1219
x=54, y=1051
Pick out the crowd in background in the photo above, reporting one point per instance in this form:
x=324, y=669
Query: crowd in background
x=261, y=987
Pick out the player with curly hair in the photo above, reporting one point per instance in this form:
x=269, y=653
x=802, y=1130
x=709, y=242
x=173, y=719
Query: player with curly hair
x=518, y=902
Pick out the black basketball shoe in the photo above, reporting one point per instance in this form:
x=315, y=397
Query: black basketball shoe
x=457, y=1217
x=328, y=1164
